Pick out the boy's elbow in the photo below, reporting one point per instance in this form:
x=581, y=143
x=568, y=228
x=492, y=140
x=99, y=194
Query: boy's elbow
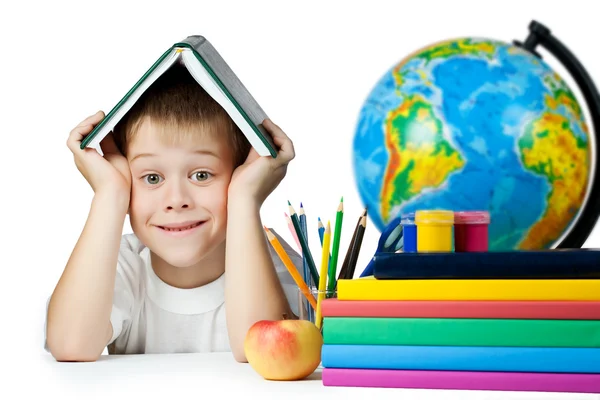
x=74, y=355
x=65, y=351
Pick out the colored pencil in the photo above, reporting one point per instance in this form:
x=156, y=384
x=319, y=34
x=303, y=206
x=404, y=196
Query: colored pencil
x=291, y=268
x=292, y=230
x=305, y=268
x=356, y=248
x=321, y=230
x=324, y=267
x=305, y=248
x=344, y=271
x=336, y=246
x=303, y=232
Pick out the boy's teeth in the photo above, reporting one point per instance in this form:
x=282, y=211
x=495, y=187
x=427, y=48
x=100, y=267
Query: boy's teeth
x=184, y=228
x=177, y=229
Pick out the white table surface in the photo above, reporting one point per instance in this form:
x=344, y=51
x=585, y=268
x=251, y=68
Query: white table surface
x=203, y=376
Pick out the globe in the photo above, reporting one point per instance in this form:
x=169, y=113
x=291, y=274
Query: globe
x=475, y=124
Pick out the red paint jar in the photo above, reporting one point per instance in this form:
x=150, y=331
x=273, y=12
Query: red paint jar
x=471, y=231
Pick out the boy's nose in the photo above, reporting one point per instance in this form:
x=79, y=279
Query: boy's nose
x=174, y=207
x=178, y=197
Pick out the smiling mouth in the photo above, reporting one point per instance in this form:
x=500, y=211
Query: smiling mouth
x=181, y=228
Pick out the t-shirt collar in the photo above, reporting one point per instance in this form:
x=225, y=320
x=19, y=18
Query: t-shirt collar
x=183, y=301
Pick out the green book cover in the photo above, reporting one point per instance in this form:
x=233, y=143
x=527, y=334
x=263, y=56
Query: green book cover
x=461, y=332
x=211, y=72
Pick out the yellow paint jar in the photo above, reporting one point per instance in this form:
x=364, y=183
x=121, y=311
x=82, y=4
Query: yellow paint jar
x=434, y=230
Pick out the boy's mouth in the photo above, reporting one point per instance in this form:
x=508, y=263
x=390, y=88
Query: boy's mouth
x=185, y=226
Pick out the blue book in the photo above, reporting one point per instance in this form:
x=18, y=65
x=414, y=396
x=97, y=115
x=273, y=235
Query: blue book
x=524, y=264
x=459, y=358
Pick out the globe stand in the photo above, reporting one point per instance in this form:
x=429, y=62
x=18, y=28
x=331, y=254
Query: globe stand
x=541, y=35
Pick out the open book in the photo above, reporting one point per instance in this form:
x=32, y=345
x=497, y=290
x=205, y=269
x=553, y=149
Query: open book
x=214, y=75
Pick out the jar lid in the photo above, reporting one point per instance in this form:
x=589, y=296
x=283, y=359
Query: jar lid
x=472, y=217
x=444, y=217
x=407, y=218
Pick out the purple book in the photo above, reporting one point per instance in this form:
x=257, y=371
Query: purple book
x=463, y=380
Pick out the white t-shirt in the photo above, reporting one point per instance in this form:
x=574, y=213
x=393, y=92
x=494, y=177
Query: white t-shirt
x=150, y=316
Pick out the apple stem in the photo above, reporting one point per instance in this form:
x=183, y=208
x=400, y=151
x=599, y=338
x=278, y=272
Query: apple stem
x=285, y=316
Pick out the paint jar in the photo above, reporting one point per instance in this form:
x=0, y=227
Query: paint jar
x=471, y=231
x=409, y=232
x=434, y=230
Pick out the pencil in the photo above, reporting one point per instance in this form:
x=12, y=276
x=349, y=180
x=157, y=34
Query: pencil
x=305, y=248
x=356, y=248
x=292, y=230
x=324, y=264
x=321, y=231
x=302, y=220
x=305, y=268
x=336, y=245
x=344, y=271
x=291, y=268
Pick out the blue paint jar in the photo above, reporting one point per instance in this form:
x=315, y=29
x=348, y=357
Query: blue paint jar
x=409, y=234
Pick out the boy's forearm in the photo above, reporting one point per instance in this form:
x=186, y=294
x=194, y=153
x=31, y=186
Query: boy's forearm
x=252, y=289
x=80, y=306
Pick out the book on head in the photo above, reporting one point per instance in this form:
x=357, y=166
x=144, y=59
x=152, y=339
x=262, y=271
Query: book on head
x=214, y=75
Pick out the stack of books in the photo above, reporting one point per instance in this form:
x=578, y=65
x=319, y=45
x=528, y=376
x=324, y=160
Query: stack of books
x=472, y=334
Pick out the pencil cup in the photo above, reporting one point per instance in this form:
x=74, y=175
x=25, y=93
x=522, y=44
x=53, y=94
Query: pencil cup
x=409, y=232
x=471, y=231
x=308, y=313
x=434, y=230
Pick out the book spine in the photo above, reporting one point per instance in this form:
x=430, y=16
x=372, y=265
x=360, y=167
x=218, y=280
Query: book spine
x=584, y=264
x=461, y=332
x=463, y=309
x=466, y=358
x=470, y=289
x=462, y=380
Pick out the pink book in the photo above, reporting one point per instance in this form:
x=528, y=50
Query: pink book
x=463, y=380
x=463, y=309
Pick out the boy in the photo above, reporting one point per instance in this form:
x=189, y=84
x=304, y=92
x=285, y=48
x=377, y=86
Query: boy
x=192, y=187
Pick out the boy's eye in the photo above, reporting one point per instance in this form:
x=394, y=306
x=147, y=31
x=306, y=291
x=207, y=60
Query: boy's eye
x=201, y=175
x=152, y=179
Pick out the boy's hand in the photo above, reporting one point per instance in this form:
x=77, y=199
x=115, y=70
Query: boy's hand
x=104, y=173
x=259, y=176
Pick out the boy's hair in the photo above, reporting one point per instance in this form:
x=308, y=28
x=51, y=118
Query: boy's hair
x=176, y=100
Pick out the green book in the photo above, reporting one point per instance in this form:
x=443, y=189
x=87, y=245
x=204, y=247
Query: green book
x=461, y=332
x=212, y=73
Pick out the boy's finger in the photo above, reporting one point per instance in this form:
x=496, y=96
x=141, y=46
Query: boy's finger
x=96, y=117
x=273, y=129
x=281, y=140
x=286, y=149
x=84, y=127
x=76, y=135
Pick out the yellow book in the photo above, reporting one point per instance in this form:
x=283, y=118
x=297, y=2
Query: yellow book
x=369, y=288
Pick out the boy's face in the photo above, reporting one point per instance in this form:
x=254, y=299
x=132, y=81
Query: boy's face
x=178, y=202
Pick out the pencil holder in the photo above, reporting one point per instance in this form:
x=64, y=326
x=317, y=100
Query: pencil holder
x=434, y=230
x=409, y=232
x=306, y=311
x=471, y=231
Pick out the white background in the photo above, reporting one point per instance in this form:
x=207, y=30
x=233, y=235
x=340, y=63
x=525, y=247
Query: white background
x=310, y=64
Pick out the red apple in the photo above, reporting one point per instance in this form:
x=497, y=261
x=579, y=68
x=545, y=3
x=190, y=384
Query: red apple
x=284, y=350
